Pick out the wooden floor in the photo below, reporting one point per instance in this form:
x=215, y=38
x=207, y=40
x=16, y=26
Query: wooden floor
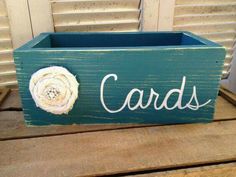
x=190, y=150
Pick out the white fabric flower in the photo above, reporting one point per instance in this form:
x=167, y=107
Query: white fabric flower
x=54, y=89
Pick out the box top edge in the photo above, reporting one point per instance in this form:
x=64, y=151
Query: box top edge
x=29, y=46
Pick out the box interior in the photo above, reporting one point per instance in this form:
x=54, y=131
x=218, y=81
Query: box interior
x=79, y=40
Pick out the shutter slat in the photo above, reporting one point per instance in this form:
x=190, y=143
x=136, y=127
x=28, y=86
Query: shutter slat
x=225, y=73
x=213, y=19
x=179, y=2
x=84, y=5
x=219, y=35
x=227, y=66
x=4, y=32
x=100, y=23
x=226, y=42
x=6, y=63
x=8, y=73
x=116, y=26
x=6, y=55
x=96, y=15
x=97, y=12
x=205, y=8
x=2, y=8
x=8, y=80
x=5, y=44
x=204, y=18
x=208, y=28
x=229, y=51
x=7, y=67
x=4, y=21
x=5, y=83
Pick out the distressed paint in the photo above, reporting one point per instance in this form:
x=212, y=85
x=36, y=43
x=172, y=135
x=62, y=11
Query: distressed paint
x=146, y=60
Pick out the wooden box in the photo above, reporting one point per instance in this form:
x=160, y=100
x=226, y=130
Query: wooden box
x=141, y=77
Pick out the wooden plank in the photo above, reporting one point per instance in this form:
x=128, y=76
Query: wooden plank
x=120, y=151
x=5, y=44
x=224, y=110
x=203, y=2
x=97, y=17
x=105, y=26
x=199, y=8
x=12, y=127
x=41, y=16
x=166, y=17
x=150, y=15
x=231, y=97
x=8, y=80
x=208, y=27
x=12, y=122
x=2, y=8
x=204, y=18
x=222, y=170
x=21, y=31
x=59, y=6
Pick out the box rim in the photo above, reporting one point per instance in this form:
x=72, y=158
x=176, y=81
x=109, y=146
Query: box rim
x=29, y=46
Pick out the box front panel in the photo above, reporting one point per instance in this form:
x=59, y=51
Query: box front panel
x=136, y=86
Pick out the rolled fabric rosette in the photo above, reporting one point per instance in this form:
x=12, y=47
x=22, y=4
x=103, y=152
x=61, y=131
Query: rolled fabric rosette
x=54, y=89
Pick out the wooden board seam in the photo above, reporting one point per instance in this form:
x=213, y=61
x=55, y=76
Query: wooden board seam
x=102, y=130
x=15, y=128
x=176, y=168
x=10, y=109
x=229, y=96
x=129, y=148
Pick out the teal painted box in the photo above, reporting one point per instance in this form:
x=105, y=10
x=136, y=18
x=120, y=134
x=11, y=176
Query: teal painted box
x=100, y=78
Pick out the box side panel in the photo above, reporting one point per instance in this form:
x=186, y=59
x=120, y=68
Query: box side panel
x=160, y=70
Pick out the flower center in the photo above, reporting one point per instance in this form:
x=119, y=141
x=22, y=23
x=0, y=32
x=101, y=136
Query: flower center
x=52, y=93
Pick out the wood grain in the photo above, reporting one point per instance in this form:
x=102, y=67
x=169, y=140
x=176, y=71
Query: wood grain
x=3, y=94
x=231, y=97
x=41, y=22
x=13, y=101
x=229, y=111
x=166, y=17
x=119, y=151
x=20, y=29
x=223, y=170
x=168, y=85
x=224, y=110
x=150, y=19
x=12, y=126
x=12, y=122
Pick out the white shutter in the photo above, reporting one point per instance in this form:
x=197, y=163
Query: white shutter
x=96, y=15
x=7, y=67
x=213, y=19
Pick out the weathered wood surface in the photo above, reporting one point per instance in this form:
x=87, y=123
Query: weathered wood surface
x=13, y=101
x=224, y=110
x=231, y=97
x=120, y=151
x=12, y=127
x=124, y=150
x=223, y=170
x=3, y=94
x=12, y=122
